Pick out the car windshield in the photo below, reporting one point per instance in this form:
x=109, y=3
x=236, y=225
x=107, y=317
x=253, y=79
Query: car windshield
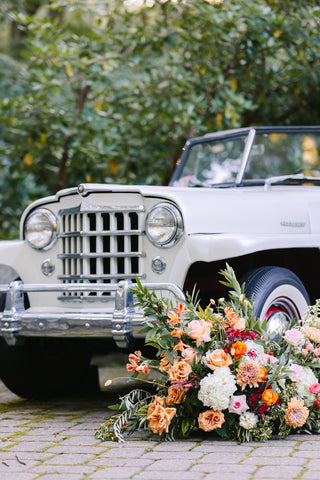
x=217, y=162
x=281, y=154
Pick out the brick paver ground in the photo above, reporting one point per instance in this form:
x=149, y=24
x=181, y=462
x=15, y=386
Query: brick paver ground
x=55, y=440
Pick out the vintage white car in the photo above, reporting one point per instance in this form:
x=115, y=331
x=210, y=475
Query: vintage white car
x=249, y=197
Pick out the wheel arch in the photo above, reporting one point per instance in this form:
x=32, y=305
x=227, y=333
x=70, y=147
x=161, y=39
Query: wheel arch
x=304, y=262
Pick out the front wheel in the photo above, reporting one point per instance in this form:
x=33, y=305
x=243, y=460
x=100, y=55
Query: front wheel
x=40, y=368
x=278, y=295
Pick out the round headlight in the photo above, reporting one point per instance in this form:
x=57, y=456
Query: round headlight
x=164, y=225
x=40, y=229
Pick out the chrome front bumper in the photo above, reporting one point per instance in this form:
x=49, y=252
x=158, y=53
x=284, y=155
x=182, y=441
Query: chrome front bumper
x=122, y=324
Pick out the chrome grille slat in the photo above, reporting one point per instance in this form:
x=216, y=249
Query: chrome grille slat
x=100, y=245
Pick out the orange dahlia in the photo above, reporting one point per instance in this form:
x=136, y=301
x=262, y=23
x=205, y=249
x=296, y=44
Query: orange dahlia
x=249, y=374
x=296, y=413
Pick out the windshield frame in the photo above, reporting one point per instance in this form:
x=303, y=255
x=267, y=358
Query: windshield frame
x=229, y=134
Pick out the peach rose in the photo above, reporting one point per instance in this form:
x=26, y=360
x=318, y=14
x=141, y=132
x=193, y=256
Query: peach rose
x=165, y=365
x=159, y=416
x=176, y=395
x=157, y=401
x=189, y=354
x=210, y=420
x=217, y=358
x=200, y=331
x=180, y=371
x=237, y=323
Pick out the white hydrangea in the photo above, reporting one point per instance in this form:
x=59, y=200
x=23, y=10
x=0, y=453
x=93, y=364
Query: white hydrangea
x=303, y=384
x=217, y=388
x=248, y=420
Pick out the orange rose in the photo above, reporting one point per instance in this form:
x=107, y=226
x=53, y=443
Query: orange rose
x=159, y=416
x=217, y=358
x=176, y=395
x=269, y=397
x=238, y=349
x=210, y=420
x=180, y=371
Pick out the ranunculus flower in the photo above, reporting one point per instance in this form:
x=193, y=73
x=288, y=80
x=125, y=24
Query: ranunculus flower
x=238, y=404
x=294, y=337
x=217, y=358
x=210, y=420
x=180, y=371
x=200, y=331
x=314, y=388
x=176, y=395
x=269, y=397
x=238, y=349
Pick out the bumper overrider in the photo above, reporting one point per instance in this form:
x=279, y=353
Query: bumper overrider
x=122, y=324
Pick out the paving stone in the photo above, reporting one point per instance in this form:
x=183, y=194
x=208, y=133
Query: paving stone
x=121, y=462
x=62, y=448
x=62, y=469
x=31, y=446
x=267, y=451
x=274, y=461
x=156, y=454
x=69, y=459
x=270, y=472
x=66, y=476
x=166, y=476
x=176, y=465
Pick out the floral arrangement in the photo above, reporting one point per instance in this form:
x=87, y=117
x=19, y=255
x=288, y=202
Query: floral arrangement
x=217, y=370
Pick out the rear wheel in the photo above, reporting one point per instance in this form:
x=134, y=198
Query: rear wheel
x=279, y=296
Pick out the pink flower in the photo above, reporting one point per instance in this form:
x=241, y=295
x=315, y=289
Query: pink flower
x=317, y=351
x=314, y=387
x=297, y=372
x=304, y=352
x=294, y=337
x=238, y=404
x=266, y=358
x=309, y=346
x=200, y=331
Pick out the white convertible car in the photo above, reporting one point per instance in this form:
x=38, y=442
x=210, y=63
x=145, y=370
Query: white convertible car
x=249, y=197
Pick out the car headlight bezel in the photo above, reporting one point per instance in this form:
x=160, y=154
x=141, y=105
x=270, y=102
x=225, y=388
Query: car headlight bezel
x=163, y=238
x=49, y=235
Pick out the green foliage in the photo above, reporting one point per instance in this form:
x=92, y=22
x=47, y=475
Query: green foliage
x=102, y=92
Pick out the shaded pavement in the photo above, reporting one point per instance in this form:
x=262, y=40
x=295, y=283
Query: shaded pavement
x=55, y=440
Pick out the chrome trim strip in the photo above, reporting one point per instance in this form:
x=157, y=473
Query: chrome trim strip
x=101, y=255
x=85, y=207
x=101, y=276
x=246, y=153
x=97, y=233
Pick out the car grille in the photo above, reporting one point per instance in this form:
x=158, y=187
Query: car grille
x=100, y=245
